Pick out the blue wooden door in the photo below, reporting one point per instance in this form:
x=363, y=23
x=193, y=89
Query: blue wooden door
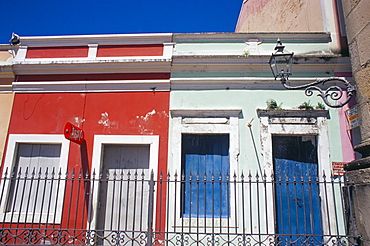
x=205, y=166
x=298, y=214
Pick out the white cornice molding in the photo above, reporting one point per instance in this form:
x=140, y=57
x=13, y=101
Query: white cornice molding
x=253, y=59
x=43, y=61
x=78, y=66
x=227, y=83
x=268, y=36
x=156, y=38
x=92, y=86
x=6, y=71
x=6, y=88
x=222, y=83
x=236, y=83
x=232, y=112
x=103, y=39
x=249, y=64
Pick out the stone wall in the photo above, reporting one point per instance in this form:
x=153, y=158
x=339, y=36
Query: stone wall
x=357, y=19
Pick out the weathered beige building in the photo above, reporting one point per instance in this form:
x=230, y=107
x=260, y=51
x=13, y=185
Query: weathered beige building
x=6, y=94
x=293, y=16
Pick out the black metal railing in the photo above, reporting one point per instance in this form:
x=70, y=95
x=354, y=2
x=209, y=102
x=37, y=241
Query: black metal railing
x=133, y=207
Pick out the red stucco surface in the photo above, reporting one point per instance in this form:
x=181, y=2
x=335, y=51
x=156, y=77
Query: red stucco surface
x=57, y=52
x=130, y=50
x=128, y=113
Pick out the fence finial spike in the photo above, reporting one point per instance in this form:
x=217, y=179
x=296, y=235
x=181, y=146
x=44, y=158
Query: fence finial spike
x=26, y=172
x=152, y=175
x=46, y=172
x=6, y=172
x=33, y=171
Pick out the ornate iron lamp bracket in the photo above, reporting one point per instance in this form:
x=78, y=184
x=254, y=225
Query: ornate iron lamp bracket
x=281, y=66
x=333, y=92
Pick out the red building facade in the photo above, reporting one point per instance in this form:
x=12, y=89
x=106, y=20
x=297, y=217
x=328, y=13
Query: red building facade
x=116, y=89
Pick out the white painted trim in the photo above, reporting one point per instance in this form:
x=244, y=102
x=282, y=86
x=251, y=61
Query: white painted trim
x=92, y=86
x=21, y=53
x=266, y=36
x=319, y=129
x=205, y=120
x=316, y=63
x=168, y=49
x=100, y=39
x=187, y=113
x=133, y=58
x=179, y=127
x=92, y=66
x=10, y=158
x=93, y=50
x=238, y=82
x=6, y=88
x=86, y=59
x=99, y=141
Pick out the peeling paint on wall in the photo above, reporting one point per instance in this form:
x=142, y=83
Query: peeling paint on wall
x=104, y=119
x=144, y=122
x=78, y=121
x=107, y=123
x=147, y=116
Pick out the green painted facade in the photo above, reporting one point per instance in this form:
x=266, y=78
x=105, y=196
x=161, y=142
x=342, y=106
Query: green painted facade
x=244, y=58
x=249, y=101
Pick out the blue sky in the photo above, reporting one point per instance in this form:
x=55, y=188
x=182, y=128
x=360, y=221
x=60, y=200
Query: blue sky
x=67, y=17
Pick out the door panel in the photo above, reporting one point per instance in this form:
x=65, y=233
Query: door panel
x=297, y=191
x=124, y=191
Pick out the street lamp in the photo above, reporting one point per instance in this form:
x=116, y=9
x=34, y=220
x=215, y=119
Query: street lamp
x=281, y=66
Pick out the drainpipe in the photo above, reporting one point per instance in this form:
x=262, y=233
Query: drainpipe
x=330, y=10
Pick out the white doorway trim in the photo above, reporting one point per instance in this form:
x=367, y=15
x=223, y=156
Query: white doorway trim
x=99, y=141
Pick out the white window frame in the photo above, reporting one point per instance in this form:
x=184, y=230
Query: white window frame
x=202, y=121
x=10, y=159
x=98, y=151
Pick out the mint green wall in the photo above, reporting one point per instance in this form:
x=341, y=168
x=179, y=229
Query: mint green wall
x=249, y=101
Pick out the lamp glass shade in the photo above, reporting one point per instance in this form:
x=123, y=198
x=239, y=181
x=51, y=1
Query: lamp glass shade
x=281, y=64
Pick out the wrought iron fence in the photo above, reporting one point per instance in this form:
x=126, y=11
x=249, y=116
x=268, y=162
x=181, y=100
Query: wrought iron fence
x=132, y=207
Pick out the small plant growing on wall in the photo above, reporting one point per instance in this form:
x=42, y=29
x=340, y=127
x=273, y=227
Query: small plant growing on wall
x=272, y=105
x=306, y=106
x=320, y=106
x=246, y=52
